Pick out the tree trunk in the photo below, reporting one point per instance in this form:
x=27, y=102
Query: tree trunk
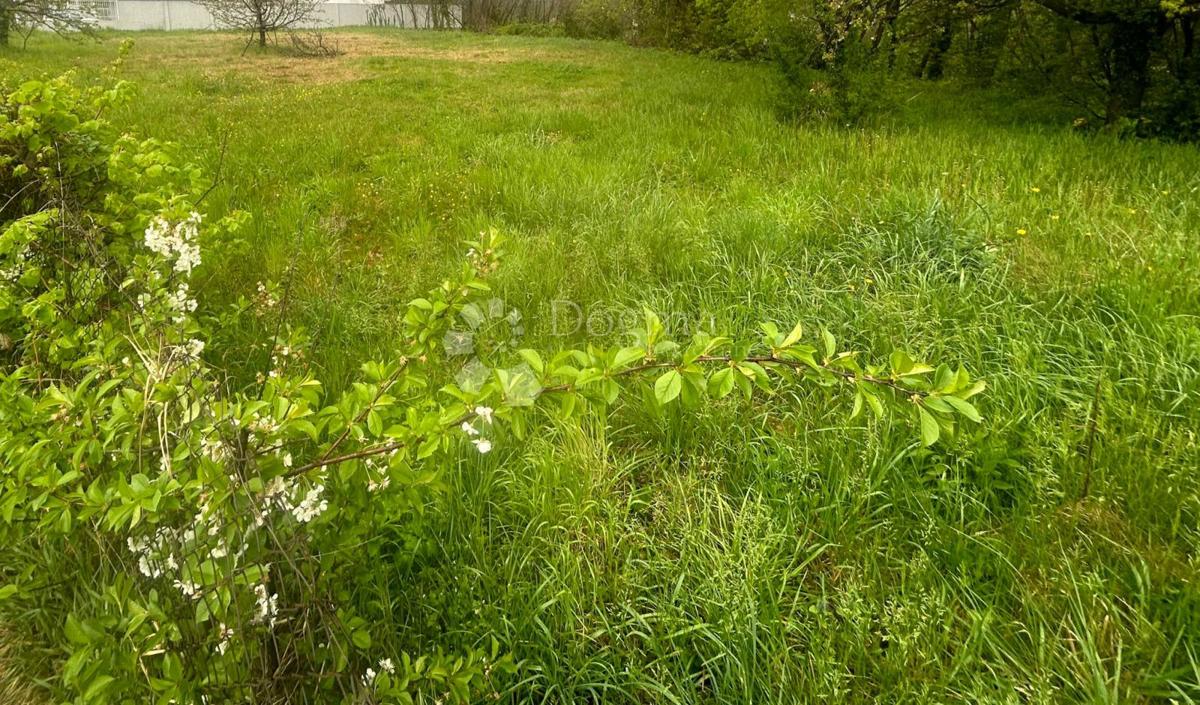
x=986, y=50
x=262, y=36
x=1189, y=36
x=5, y=24
x=1131, y=44
x=933, y=63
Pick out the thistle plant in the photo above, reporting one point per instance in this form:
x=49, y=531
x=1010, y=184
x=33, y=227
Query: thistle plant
x=221, y=521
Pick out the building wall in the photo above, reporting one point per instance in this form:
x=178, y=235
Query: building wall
x=184, y=14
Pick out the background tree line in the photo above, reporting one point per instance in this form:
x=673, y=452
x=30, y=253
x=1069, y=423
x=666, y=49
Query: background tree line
x=1130, y=65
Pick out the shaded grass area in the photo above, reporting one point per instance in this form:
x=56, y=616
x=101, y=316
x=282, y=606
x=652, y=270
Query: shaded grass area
x=772, y=552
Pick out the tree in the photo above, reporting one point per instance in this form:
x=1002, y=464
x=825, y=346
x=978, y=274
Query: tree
x=263, y=17
x=27, y=15
x=1127, y=33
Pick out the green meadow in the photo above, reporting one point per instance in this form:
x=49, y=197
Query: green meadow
x=773, y=551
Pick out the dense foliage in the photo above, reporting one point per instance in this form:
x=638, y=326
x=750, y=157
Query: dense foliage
x=1131, y=65
x=174, y=533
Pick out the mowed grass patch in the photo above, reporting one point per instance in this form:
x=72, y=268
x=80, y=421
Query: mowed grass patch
x=773, y=553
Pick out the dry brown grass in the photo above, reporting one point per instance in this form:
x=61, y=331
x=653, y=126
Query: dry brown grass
x=13, y=689
x=222, y=53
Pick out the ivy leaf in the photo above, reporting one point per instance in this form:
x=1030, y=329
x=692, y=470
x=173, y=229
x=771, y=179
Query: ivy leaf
x=668, y=387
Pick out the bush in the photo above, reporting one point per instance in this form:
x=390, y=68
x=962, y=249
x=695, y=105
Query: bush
x=598, y=19
x=846, y=86
x=532, y=29
x=168, y=534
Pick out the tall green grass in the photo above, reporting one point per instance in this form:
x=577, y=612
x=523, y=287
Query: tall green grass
x=752, y=554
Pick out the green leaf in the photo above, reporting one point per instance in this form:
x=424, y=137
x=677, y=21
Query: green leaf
x=361, y=639
x=793, y=337
x=721, y=383
x=626, y=356
x=533, y=359
x=97, y=687
x=830, y=343
x=964, y=408
x=929, y=427
x=668, y=386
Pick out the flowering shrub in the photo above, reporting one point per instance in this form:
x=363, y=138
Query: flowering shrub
x=173, y=537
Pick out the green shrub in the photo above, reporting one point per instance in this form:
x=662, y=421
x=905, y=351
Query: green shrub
x=532, y=29
x=598, y=19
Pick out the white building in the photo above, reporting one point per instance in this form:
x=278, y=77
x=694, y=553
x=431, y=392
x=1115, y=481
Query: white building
x=184, y=14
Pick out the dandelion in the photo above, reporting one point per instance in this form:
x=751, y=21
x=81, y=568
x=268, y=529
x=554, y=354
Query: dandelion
x=1035, y=189
x=1022, y=232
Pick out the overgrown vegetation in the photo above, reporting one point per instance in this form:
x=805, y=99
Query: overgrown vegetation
x=1130, y=65
x=782, y=549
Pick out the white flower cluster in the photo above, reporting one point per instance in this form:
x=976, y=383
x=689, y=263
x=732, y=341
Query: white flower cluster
x=265, y=298
x=377, y=469
x=312, y=506
x=181, y=302
x=483, y=445
x=266, y=606
x=176, y=243
x=279, y=493
x=226, y=634
x=385, y=665
x=153, y=556
x=157, y=558
x=214, y=447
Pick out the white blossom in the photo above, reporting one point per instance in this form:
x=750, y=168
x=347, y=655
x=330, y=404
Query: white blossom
x=188, y=588
x=468, y=429
x=483, y=445
x=226, y=634
x=176, y=244
x=484, y=412
x=267, y=605
x=312, y=505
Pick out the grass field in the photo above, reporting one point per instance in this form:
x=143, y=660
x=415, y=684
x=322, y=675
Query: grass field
x=756, y=553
